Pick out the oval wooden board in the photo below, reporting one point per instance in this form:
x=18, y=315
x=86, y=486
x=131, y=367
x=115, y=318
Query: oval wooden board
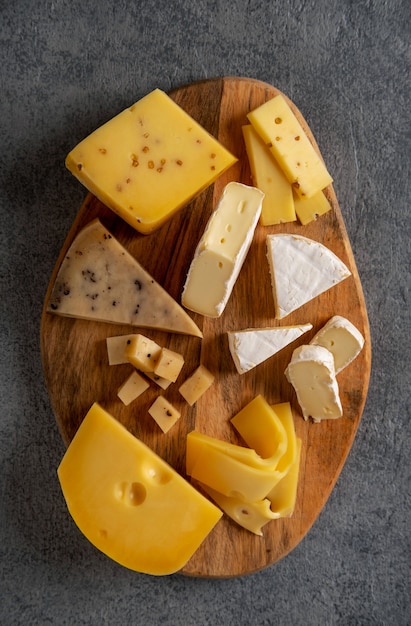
x=77, y=373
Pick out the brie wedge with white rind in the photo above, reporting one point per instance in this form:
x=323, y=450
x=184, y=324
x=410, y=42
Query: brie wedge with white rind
x=342, y=339
x=100, y=280
x=301, y=269
x=312, y=374
x=222, y=250
x=252, y=346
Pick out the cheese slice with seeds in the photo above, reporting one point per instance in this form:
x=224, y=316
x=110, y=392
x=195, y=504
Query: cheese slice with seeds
x=253, y=346
x=99, y=280
x=301, y=269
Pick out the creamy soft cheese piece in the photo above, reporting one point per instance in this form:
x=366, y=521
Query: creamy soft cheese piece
x=276, y=123
x=311, y=372
x=148, y=161
x=99, y=280
x=342, y=339
x=252, y=346
x=301, y=269
x=222, y=250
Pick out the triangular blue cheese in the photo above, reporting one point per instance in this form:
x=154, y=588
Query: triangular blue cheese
x=100, y=280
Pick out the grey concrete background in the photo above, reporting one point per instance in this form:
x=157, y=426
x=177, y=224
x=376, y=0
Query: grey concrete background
x=65, y=68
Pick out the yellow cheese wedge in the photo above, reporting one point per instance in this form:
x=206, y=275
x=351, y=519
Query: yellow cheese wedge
x=99, y=280
x=128, y=502
x=278, y=203
x=277, y=125
x=148, y=161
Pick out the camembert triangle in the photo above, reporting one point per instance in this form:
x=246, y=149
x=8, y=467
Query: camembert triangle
x=100, y=280
x=301, y=269
x=252, y=346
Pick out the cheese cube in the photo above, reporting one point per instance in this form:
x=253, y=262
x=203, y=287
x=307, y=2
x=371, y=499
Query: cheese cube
x=161, y=382
x=143, y=353
x=134, y=386
x=312, y=374
x=169, y=364
x=164, y=413
x=277, y=125
x=197, y=384
x=342, y=339
x=136, y=508
x=148, y=161
x=222, y=250
x=278, y=203
x=116, y=348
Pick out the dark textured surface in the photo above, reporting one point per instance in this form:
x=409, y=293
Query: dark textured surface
x=67, y=67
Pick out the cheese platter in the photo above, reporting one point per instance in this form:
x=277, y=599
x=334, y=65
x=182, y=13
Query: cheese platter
x=74, y=351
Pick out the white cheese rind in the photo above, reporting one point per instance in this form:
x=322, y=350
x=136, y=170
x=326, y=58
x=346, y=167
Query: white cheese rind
x=252, y=346
x=301, y=269
x=99, y=280
x=222, y=250
x=312, y=374
x=342, y=339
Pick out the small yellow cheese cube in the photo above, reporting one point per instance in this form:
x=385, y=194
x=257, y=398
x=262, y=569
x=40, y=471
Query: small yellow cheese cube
x=164, y=413
x=134, y=386
x=308, y=209
x=197, y=384
x=278, y=203
x=143, y=353
x=148, y=161
x=136, y=508
x=275, y=122
x=116, y=348
x=161, y=382
x=169, y=364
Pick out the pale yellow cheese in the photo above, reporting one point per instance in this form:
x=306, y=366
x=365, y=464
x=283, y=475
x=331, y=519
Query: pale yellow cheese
x=128, y=502
x=164, y=413
x=161, y=382
x=196, y=384
x=132, y=388
x=169, y=364
x=222, y=249
x=116, y=348
x=278, y=203
x=99, y=280
x=279, y=128
x=148, y=161
x=308, y=209
x=143, y=353
x=342, y=339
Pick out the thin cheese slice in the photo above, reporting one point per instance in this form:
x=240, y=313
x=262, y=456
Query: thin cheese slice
x=99, y=280
x=301, y=269
x=128, y=502
x=253, y=346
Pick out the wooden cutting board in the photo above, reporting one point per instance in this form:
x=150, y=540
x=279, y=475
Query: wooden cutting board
x=77, y=373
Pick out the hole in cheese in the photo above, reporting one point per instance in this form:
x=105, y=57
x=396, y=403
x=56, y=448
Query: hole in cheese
x=158, y=476
x=137, y=494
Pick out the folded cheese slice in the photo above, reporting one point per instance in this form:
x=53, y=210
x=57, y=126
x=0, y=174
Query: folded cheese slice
x=99, y=280
x=301, y=269
x=252, y=346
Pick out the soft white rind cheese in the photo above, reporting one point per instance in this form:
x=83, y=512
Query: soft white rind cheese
x=252, y=346
x=222, y=250
x=301, y=269
x=312, y=374
x=342, y=339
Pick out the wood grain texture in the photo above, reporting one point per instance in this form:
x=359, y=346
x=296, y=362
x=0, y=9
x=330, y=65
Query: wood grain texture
x=77, y=373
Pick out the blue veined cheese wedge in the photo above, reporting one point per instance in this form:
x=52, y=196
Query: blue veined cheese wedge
x=222, y=250
x=100, y=280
